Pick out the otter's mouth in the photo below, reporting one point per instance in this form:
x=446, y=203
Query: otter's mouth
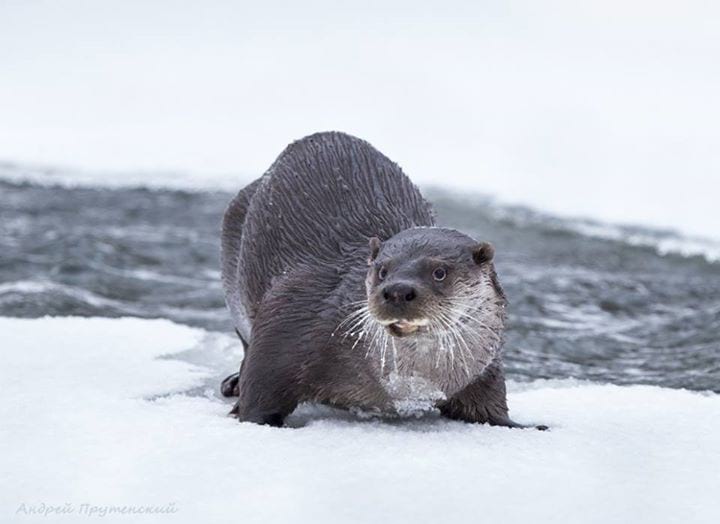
x=403, y=328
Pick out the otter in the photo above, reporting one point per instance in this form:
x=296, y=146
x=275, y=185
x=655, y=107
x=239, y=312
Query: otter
x=344, y=291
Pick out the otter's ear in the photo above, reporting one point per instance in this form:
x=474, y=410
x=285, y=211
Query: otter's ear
x=483, y=253
x=374, y=249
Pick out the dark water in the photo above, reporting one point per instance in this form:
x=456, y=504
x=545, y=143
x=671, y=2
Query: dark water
x=579, y=306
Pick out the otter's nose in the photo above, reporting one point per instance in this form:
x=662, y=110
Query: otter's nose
x=399, y=294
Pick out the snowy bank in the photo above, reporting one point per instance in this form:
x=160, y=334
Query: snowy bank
x=113, y=413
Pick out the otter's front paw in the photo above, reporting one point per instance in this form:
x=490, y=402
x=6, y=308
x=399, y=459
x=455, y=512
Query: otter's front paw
x=250, y=415
x=509, y=423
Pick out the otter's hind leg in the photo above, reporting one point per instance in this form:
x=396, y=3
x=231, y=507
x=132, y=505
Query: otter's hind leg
x=270, y=385
x=267, y=391
x=483, y=401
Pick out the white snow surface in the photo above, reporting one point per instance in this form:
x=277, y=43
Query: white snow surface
x=112, y=413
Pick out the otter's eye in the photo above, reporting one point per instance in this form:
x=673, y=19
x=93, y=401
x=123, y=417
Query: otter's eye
x=439, y=274
x=382, y=273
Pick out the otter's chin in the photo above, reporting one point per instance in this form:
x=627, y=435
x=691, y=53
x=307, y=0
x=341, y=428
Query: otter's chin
x=404, y=328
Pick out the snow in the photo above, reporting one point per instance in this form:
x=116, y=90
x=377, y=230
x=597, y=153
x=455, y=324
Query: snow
x=101, y=414
x=117, y=179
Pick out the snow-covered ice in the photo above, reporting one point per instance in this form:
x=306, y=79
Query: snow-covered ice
x=121, y=412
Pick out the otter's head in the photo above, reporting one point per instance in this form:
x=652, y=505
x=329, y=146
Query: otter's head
x=427, y=280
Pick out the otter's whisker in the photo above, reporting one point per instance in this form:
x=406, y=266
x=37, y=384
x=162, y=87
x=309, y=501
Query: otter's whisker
x=358, y=339
x=447, y=346
x=451, y=329
x=373, y=342
x=394, y=350
x=463, y=315
x=359, y=319
x=460, y=342
x=351, y=318
x=382, y=352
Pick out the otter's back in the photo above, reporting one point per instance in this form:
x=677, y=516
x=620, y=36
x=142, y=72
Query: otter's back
x=318, y=204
